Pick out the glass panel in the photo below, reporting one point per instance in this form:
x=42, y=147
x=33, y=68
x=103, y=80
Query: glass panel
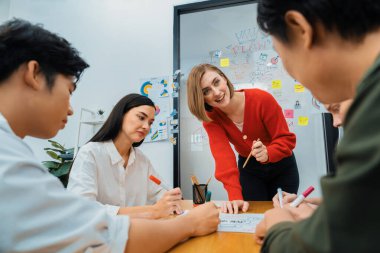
x=230, y=39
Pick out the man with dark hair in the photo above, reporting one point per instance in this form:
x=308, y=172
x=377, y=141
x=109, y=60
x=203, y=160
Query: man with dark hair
x=38, y=72
x=332, y=47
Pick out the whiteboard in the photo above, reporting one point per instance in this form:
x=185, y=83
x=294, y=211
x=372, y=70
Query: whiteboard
x=231, y=39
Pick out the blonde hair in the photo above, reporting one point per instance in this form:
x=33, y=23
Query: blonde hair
x=195, y=98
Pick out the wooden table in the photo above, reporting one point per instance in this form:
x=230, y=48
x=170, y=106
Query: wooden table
x=224, y=241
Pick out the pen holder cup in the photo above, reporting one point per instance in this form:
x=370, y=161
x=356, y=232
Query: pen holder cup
x=199, y=193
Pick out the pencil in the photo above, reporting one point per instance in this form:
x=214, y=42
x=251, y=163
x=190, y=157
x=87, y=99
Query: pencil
x=250, y=154
x=208, y=181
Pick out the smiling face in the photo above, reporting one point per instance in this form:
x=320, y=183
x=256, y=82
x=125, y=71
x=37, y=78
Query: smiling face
x=215, y=89
x=137, y=122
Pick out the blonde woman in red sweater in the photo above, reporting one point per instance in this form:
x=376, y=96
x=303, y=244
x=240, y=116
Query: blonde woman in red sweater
x=253, y=122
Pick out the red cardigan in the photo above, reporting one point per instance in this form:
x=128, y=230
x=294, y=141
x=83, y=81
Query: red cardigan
x=263, y=118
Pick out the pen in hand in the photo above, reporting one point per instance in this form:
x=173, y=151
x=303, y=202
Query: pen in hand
x=280, y=198
x=158, y=182
x=164, y=186
x=301, y=197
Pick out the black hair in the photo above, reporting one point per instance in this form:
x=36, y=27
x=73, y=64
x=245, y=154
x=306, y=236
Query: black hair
x=21, y=41
x=114, y=122
x=352, y=19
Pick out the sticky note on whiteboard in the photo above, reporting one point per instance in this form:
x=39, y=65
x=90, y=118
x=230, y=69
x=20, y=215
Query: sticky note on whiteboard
x=303, y=121
x=288, y=113
x=276, y=84
x=299, y=88
x=225, y=62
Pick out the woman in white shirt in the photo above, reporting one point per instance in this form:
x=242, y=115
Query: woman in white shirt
x=111, y=170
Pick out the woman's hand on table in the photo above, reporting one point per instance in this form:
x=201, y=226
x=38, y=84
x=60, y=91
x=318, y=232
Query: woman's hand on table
x=234, y=206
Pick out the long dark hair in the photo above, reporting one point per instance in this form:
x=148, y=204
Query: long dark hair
x=114, y=122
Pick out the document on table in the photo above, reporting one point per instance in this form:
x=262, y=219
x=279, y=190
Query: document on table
x=243, y=223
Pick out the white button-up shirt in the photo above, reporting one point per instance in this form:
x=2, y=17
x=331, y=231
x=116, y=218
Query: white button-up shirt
x=39, y=215
x=98, y=173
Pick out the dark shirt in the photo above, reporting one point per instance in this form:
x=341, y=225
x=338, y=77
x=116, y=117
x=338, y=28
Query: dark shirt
x=348, y=220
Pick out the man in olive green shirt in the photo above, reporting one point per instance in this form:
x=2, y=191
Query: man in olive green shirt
x=332, y=47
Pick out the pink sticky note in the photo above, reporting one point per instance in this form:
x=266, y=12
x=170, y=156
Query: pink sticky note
x=289, y=113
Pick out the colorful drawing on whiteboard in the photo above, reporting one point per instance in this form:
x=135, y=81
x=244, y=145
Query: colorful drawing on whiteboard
x=173, y=113
x=164, y=93
x=145, y=87
x=173, y=140
x=216, y=53
x=164, y=82
x=198, y=139
x=274, y=60
x=266, y=66
x=154, y=136
x=164, y=85
x=263, y=57
x=158, y=90
x=297, y=105
x=290, y=124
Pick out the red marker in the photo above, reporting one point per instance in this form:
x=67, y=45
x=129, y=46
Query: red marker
x=158, y=181
x=301, y=197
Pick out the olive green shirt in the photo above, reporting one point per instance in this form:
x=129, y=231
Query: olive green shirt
x=348, y=220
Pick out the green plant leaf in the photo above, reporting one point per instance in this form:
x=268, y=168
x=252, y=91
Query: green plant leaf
x=51, y=164
x=63, y=160
x=56, y=144
x=62, y=170
x=53, y=155
x=55, y=150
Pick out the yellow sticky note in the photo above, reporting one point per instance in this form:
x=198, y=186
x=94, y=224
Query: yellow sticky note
x=303, y=121
x=299, y=88
x=276, y=84
x=225, y=62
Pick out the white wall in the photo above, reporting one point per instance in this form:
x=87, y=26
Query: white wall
x=122, y=40
x=4, y=9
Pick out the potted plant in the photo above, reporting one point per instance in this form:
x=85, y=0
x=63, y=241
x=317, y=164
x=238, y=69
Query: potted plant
x=63, y=159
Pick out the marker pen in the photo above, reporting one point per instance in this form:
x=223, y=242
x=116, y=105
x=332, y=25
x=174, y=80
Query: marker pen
x=158, y=181
x=301, y=197
x=279, y=192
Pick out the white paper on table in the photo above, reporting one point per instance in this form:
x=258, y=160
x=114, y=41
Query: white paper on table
x=243, y=223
